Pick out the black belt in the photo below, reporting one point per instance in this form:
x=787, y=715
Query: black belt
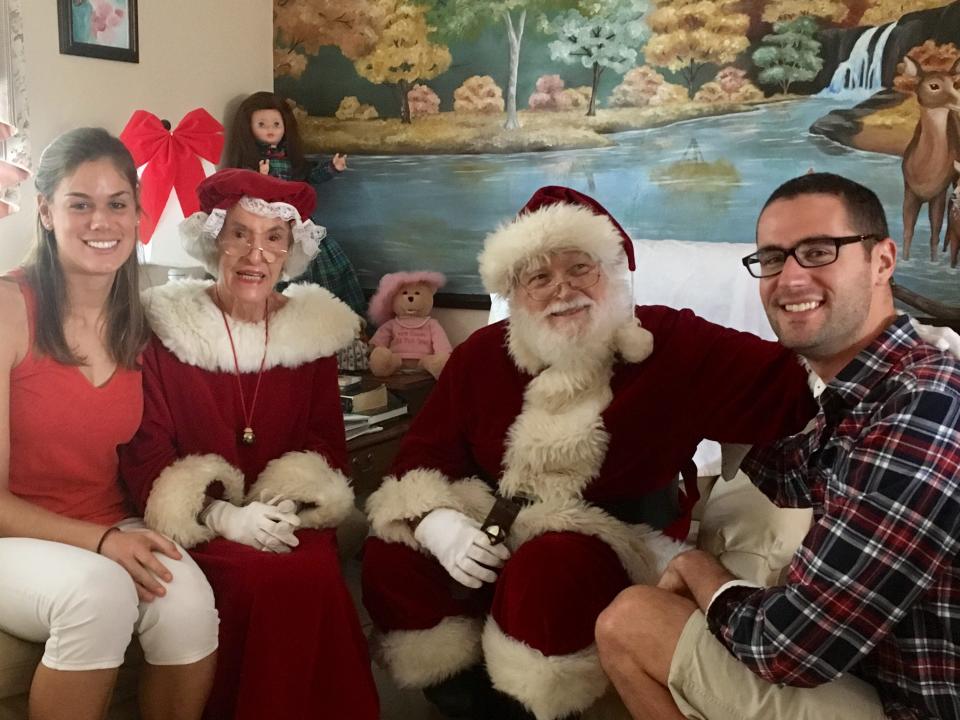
x=657, y=509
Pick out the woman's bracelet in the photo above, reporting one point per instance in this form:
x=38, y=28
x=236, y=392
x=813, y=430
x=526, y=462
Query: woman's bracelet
x=104, y=537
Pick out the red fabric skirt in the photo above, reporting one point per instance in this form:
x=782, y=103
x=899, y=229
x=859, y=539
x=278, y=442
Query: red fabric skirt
x=291, y=645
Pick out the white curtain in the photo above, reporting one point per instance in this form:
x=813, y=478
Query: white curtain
x=14, y=125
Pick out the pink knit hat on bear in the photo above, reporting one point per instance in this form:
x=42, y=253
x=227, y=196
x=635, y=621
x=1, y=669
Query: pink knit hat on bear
x=381, y=304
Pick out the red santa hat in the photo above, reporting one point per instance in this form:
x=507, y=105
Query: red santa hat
x=555, y=218
x=262, y=195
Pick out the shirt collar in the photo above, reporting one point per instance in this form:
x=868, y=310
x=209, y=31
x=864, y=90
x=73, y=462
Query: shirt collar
x=873, y=363
x=267, y=146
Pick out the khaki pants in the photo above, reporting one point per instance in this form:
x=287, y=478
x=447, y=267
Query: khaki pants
x=708, y=683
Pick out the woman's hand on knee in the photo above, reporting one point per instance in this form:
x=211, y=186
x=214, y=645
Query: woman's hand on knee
x=134, y=551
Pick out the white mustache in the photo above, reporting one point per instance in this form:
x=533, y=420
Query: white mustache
x=563, y=306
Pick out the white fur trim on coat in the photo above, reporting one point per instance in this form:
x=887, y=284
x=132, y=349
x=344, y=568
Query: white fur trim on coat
x=311, y=325
x=560, y=226
x=549, y=686
x=556, y=445
x=420, y=658
x=397, y=501
x=178, y=494
x=306, y=477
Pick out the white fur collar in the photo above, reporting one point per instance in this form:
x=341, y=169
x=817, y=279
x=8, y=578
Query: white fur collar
x=312, y=324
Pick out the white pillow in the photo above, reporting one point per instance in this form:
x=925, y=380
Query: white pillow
x=752, y=537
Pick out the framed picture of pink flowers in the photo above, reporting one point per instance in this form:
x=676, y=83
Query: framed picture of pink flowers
x=99, y=29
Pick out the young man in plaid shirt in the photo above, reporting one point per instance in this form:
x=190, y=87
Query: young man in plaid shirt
x=868, y=622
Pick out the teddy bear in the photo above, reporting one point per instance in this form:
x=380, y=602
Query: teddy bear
x=407, y=337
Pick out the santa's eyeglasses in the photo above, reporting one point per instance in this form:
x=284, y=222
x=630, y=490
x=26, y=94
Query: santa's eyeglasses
x=542, y=285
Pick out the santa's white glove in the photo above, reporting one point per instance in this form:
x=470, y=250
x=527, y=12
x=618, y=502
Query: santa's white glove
x=942, y=338
x=461, y=546
x=256, y=524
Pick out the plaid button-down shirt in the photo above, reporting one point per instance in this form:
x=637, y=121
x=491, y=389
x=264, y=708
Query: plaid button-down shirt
x=874, y=590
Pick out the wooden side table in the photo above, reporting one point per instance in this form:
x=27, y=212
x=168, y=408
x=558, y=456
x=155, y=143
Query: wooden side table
x=371, y=455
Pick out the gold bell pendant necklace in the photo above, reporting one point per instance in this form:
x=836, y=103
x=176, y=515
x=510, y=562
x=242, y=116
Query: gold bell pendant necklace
x=248, y=437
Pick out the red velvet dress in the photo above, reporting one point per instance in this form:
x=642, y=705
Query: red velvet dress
x=291, y=645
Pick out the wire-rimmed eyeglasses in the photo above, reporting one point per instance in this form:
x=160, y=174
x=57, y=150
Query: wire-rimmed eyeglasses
x=241, y=246
x=809, y=253
x=543, y=285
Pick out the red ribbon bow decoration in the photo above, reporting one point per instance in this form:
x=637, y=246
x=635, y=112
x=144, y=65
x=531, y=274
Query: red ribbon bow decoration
x=172, y=159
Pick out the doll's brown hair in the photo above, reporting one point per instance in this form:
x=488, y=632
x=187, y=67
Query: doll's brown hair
x=243, y=146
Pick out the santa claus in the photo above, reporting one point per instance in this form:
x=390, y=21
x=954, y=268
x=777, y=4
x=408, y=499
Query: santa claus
x=576, y=416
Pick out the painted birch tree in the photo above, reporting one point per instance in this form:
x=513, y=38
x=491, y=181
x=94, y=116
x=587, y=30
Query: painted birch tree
x=403, y=53
x=689, y=34
x=455, y=18
x=610, y=38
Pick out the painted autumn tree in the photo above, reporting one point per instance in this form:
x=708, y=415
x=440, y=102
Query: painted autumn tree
x=689, y=34
x=608, y=39
x=301, y=27
x=778, y=10
x=884, y=11
x=789, y=54
x=403, y=53
x=460, y=17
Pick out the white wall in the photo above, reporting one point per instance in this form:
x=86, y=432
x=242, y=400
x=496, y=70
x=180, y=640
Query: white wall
x=193, y=53
x=459, y=324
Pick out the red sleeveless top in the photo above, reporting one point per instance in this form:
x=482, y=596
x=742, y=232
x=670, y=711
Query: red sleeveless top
x=64, y=432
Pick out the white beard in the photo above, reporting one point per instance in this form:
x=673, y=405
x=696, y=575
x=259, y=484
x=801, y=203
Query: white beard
x=536, y=344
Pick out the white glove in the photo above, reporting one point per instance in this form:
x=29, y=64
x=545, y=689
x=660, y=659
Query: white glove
x=942, y=338
x=461, y=546
x=283, y=538
x=261, y=525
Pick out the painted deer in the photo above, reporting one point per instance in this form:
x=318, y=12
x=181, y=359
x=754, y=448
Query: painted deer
x=953, y=221
x=928, y=161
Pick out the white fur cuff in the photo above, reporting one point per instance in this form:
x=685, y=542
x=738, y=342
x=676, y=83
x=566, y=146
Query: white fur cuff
x=419, y=658
x=306, y=477
x=549, y=686
x=397, y=501
x=178, y=494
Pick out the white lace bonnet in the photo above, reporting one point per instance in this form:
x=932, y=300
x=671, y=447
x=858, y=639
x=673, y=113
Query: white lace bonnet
x=262, y=195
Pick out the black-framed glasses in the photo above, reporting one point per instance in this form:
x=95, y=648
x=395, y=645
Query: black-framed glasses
x=809, y=253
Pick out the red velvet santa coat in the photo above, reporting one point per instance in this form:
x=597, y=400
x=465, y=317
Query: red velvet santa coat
x=611, y=436
x=290, y=642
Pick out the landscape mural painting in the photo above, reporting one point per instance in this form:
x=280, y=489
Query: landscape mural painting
x=680, y=116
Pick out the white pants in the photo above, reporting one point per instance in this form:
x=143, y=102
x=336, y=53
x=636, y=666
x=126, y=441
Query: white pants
x=85, y=607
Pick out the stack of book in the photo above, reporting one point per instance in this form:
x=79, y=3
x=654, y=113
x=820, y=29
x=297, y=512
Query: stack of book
x=365, y=405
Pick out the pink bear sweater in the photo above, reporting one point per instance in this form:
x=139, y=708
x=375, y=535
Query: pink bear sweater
x=412, y=338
